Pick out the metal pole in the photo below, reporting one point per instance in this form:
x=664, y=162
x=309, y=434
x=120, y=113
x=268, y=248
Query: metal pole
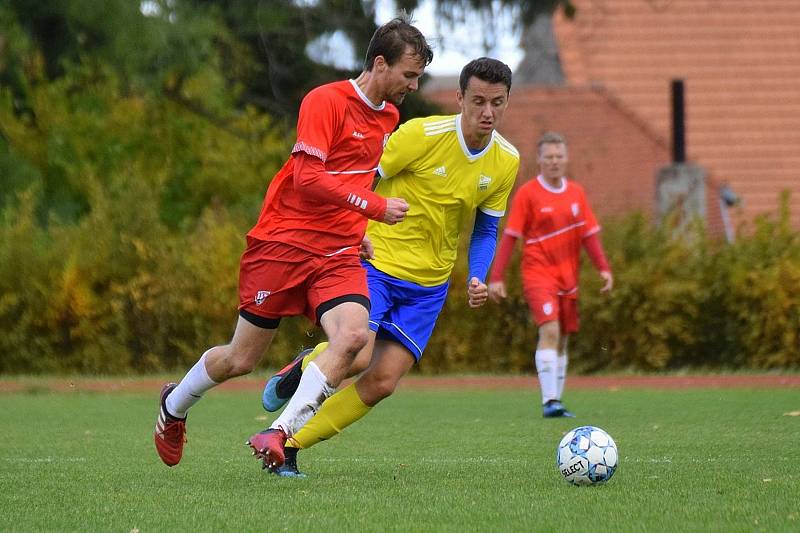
x=678, y=126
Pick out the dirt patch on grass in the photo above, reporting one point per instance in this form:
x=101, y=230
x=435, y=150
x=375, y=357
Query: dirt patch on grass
x=760, y=381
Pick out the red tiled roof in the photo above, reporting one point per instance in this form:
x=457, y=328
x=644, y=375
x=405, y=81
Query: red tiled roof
x=741, y=64
x=613, y=153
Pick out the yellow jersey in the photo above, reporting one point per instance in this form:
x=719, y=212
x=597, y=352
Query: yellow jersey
x=427, y=162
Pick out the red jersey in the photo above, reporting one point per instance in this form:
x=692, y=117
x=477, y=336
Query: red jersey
x=342, y=128
x=552, y=223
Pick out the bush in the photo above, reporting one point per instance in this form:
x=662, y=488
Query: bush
x=121, y=291
x=118, y=255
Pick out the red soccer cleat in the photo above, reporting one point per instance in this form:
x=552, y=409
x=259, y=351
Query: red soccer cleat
x=268, y=446
x=170, y=433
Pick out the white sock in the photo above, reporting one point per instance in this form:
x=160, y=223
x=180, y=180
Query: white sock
x=561, y=373
x=546, y=368
x=311, y=392
x=190, y=389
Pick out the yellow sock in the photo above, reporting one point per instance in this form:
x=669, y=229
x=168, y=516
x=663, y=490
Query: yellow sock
x=338, y=412
x=318, y=349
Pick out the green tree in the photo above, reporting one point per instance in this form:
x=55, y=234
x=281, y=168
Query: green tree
x=143, y=48
x=278, y=35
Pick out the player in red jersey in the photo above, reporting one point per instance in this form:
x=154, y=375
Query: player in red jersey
x=302, y=255
x=554, y=220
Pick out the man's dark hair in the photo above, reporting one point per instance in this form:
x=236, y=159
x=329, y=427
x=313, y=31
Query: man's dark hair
x=486, y=69
x=391, y=41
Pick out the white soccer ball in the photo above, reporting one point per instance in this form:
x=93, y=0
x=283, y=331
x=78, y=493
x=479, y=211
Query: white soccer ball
x=587, y=456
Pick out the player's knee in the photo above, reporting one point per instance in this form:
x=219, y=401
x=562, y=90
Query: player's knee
x=548, y=336
x=359, y=365
x=548, y=341
x=376, y=389
x=353, y=340
x=383, y=389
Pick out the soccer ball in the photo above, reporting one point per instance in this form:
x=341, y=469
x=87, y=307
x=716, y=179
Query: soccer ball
x=587, y=456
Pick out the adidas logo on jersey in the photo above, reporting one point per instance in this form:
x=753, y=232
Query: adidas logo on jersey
x=441, y=171
x=483, y=182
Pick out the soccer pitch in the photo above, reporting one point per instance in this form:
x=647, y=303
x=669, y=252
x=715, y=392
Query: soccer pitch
x=469, y=460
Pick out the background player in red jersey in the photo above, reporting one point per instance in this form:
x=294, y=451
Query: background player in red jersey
x=553, y=218
x=302, y=255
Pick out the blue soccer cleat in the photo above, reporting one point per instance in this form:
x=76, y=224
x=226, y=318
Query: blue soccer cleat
x=289, y=466
x=555, y=409
x=567, y=413
x=282, y=386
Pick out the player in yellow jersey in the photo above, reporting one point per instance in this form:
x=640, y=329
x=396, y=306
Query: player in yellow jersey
x=449, y=169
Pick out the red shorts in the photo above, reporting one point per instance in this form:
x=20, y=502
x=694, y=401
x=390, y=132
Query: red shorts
x=546, y=305
x=278, y=280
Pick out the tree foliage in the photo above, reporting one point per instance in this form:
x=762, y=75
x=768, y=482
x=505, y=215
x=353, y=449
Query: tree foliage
x=261, y=47
x=145, y=50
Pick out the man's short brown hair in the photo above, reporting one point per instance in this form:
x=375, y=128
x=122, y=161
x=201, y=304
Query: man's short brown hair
x=391, y=41
x=550, y=137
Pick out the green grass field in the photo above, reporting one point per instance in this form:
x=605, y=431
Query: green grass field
x=691, y=460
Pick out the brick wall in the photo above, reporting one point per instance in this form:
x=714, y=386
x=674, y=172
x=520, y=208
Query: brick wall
x=613, y=154
x=741, y=64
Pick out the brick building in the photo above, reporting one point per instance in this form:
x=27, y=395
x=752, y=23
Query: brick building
x=740, y=62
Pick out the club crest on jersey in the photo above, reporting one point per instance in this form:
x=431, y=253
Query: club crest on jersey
x=483, y=182
x=575, y=209
x=261, y=296
x=548, y=308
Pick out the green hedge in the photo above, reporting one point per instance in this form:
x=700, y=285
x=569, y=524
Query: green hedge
x=120, y=291
x=122, y=221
